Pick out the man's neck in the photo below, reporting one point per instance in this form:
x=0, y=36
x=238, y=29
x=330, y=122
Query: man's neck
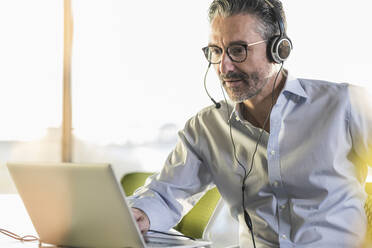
x=257, y=109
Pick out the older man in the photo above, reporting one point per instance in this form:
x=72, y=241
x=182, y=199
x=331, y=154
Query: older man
x=288, y=155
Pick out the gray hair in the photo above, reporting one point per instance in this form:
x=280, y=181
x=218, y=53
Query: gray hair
x=268, y=24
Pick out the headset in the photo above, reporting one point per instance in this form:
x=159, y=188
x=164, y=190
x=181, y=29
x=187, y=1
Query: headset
x=280, y=46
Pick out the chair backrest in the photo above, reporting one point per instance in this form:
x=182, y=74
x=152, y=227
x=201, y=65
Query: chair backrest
x=368, y=209
x=133, y=181
x=195, y=221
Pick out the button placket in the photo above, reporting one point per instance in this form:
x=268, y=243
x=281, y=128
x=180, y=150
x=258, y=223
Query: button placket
x=275, y=177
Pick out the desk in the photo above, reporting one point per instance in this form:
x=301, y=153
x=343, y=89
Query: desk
x=14, y=218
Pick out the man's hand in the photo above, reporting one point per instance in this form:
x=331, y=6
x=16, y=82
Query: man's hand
x=143, y=221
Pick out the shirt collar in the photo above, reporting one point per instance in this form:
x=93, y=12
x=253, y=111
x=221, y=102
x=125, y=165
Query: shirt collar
x=294, y=88
x=237, y=112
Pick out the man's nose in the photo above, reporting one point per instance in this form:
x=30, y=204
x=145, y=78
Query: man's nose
x=226, y=64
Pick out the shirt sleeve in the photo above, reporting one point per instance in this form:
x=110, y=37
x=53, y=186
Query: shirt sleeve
x=361, y=122
x=170, y=194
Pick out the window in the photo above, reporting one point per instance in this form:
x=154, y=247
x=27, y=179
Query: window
x=31, y=48
x=30, y=68
x=137, y=72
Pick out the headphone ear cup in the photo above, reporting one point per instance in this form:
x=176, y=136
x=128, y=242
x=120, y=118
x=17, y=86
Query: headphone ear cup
x=280, y=48
x=271, y=49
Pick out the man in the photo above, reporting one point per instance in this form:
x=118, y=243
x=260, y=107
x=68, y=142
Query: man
x=298, y=148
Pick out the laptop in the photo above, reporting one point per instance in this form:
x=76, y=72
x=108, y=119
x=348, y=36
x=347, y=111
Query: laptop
x=82, y=205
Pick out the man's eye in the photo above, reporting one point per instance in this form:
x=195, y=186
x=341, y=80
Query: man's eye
x=215, y=50
x=236, y=50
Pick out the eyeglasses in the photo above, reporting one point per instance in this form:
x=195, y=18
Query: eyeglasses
x=237, y=52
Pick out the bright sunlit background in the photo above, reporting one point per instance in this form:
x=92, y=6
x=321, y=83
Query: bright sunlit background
x=137, y=72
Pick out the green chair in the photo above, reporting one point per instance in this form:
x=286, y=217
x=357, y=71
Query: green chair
x=132, y=181
x=368, y=209
x=195, y=221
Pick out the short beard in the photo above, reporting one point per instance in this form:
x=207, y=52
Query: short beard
x=252, y=85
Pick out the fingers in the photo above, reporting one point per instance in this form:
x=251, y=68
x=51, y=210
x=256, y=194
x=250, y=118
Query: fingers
x=142, y=220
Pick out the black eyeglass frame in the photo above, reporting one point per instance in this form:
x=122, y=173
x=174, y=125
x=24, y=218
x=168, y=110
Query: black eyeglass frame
x=206, y=51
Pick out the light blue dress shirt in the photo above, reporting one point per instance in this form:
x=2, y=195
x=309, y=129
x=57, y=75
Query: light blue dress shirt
x=306, y=188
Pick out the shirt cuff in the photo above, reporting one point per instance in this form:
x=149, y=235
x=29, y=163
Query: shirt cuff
x=160, y=216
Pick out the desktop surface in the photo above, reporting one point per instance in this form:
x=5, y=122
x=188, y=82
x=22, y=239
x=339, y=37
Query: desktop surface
x=14, y=218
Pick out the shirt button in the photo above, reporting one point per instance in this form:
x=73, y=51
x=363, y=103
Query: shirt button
x=272, y=152
x=284, y=236
x=276, y=184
